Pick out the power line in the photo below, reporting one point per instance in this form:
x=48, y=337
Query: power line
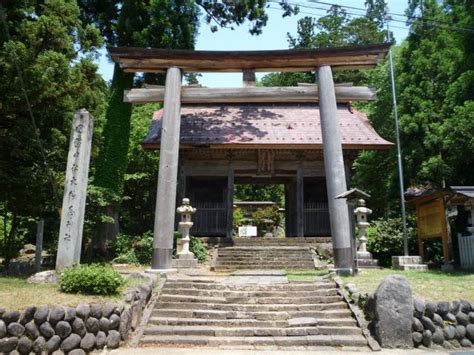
x=435, y=23
x=387, y=13
x=318, y=16
x=30, y=111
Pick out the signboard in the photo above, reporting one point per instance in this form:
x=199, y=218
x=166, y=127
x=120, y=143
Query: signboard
x=248, y=231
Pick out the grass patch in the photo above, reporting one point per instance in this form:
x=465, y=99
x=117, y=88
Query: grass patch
x=433, y=285
x=304, y=275
x=17, y=294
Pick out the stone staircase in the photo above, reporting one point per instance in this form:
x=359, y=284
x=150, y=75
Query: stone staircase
x=263, y=257
x=201, y=312
x=267, y=253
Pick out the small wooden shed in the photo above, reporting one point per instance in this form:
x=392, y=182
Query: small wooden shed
x=432, y=211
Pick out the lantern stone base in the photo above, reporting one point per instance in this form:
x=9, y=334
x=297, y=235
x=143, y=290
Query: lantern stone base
x=406, y=263
x=365, y=260
x=185, y=261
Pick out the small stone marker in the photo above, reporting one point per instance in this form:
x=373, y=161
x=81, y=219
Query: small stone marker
x=75, y=191
x=394, y=313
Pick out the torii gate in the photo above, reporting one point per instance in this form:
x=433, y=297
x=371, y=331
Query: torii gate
x=174, y=62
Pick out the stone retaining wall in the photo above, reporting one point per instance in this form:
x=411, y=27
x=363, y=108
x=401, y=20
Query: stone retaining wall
x=447, y=325
x=72, y=330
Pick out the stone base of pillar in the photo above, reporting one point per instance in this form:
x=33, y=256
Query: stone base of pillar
x=185, y=261
x=447, y=267
x=161, y=259
x=344, y=272
x=343, y=258
x=365, y=260
x=160, y=271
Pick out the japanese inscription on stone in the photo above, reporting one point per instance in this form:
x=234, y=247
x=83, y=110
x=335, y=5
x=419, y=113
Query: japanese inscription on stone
x=75, y=191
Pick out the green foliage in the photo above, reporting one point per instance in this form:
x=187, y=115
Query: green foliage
x=385, y=239
x=138, y=249
x=134, y=249
x=336, y=28
x=197, y=247
x=435, y=88
x=138, y=204
x=238, y=217
x=53, y=50
x=259, y=192
x=94, y=279
x=262, y=215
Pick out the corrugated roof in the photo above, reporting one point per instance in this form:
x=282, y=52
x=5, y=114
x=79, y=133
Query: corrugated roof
x=288, y=125
x=467, y=191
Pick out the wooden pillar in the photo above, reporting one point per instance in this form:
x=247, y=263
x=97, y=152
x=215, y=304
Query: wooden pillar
x=248, y=77
x=335, y=174
x=168, y=172
x=39, y=244
x=299, y=203
x=230, y=201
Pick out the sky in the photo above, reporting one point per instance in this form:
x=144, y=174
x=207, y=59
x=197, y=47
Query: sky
x=274, y=36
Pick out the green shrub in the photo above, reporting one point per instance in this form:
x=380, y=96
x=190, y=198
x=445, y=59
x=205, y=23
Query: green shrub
x=198, y=248
x=94, y=279
x=385, y=239
x=139, y=249
x=134, y=249
x=267, y=213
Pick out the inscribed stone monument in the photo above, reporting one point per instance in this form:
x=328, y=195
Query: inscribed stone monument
x=75, y=191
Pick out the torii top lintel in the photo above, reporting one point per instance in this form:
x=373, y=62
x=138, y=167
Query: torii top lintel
x=293, y=60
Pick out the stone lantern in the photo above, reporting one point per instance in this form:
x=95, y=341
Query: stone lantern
x=186, y=258
x=361, y=213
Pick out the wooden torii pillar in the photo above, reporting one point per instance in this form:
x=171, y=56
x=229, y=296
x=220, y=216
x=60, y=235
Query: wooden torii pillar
x=335, y=172
x=167, y=173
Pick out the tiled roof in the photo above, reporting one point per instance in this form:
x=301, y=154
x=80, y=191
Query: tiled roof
x=288, y=125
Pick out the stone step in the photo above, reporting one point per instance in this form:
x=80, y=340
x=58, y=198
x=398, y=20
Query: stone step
x=184, y=322
x=246, y=300
x=417, y=267
x=309, y=340
x=253, y=307
x=250, y=331
x=266, y=248
x=257, y=267
x=173, y=285
x=329, y=291
x=266, y=266
x=266, y=259
x=219, y=314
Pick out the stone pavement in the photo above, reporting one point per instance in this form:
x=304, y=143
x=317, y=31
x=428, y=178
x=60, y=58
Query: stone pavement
x=315, y=351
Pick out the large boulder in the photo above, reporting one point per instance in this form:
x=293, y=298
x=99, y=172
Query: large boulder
x=394, y=313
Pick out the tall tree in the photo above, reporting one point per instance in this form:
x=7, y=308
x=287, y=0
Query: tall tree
x=336, y=28
x=156, y=23
x=159, y=24
x=435, y=95
x=46, y=62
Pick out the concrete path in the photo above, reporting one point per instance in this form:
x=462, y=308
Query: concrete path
x=308, y=351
